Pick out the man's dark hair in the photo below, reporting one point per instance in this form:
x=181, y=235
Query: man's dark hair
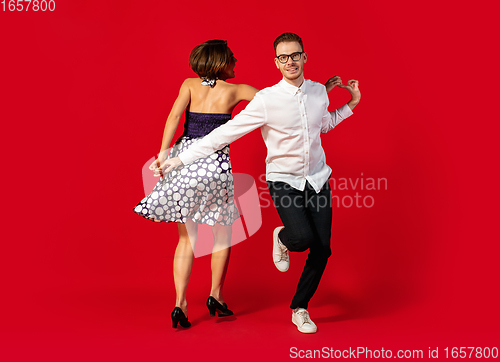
x=288, y=37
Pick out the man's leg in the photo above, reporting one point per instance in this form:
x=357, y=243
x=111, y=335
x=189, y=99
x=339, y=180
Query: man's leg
x=290, y=203
x=307, y=218
x=319, y=213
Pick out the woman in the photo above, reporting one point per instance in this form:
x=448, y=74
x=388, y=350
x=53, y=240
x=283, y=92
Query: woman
x=201, y=192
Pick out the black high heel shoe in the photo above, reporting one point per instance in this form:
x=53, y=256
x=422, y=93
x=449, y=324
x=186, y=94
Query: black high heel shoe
x=179, y=317
x=213, y=305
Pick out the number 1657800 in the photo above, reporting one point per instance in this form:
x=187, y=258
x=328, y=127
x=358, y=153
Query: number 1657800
x=28, y=5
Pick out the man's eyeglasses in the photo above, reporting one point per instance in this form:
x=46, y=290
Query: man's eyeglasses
x=283, y=58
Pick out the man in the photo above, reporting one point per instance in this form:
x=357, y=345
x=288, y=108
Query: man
x=291, y=116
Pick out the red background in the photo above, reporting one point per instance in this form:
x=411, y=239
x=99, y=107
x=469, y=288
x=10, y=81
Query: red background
x=85, y=92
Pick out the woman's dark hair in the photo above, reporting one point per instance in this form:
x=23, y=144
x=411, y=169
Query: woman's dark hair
x=210, y=59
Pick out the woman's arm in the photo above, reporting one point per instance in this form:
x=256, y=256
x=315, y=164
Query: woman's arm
x=174, y=117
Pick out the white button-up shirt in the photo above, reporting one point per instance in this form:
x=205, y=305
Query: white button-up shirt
x=291, y=120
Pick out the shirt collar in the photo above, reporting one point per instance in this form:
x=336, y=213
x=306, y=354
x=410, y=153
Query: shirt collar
x=291, y=88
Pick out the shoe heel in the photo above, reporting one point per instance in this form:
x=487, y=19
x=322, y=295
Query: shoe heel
x=179, y=317
x=213, y=305
x=211, y=309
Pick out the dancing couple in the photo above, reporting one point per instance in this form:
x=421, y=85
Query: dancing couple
x=196, y=184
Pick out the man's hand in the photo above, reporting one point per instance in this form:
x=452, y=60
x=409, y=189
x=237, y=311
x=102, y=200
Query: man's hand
x=165, y=167
x=353, y=87
x=332, y=82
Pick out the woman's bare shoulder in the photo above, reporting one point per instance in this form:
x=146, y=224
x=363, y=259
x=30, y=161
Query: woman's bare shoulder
x=238, y=87
x=246, y=87
x=192, y=81
x=246, y=92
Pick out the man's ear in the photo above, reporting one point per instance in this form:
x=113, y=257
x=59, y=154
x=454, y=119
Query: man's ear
x=305, y=57
x=276, y=62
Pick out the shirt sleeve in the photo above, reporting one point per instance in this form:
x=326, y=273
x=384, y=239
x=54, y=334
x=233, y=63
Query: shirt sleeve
x=331, y=119
x=251, y=118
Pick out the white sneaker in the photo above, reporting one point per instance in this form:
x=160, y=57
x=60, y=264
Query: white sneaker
x=280, y=252
x=300, y=317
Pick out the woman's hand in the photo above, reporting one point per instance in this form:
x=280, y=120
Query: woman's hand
x=162, y=168
x=155, y=167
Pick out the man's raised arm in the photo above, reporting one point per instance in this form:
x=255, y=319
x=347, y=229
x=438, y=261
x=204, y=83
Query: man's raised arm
x=331, y=119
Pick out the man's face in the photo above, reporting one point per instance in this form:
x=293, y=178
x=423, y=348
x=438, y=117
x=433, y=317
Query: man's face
x=292, y=70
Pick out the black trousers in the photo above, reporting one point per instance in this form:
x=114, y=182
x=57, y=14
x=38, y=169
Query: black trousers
x=307, y=217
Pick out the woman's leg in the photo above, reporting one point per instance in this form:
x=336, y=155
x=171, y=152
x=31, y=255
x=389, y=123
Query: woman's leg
x=183, y=261
x=220, y=259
